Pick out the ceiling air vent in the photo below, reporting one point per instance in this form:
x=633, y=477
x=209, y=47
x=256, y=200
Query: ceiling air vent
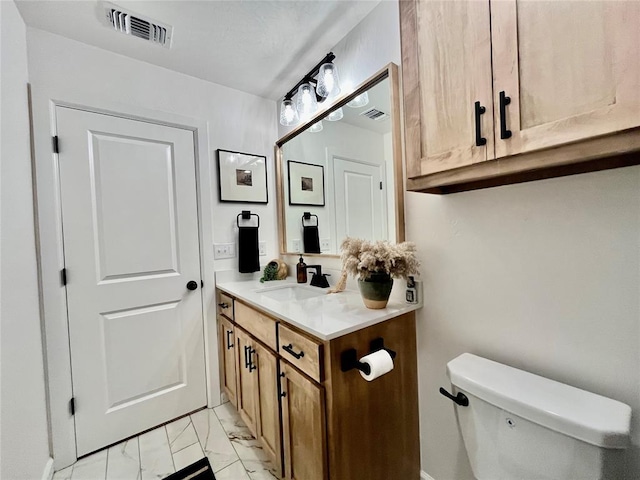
x=375, y=114
x=139, y=26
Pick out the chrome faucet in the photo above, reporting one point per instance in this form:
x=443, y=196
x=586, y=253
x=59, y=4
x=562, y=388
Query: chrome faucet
x=318, y=279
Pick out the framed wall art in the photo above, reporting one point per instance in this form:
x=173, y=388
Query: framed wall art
x=306, y=183
x=242, y=177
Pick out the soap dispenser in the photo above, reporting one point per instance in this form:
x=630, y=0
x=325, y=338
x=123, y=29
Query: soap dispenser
x=301, y=271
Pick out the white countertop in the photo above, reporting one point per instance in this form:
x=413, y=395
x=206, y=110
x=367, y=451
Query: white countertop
x=327, y=316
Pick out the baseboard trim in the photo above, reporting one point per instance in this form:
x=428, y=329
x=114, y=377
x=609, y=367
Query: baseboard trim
x=425, y=476
x=47, y=474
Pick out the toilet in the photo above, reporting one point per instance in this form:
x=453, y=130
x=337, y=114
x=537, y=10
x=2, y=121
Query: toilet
x=520, y=426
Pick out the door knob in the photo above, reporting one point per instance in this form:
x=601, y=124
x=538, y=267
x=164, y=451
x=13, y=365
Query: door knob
x=192, y=285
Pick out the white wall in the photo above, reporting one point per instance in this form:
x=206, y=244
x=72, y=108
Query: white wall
x=25, y=447
x=543, y=276
x=63, y=70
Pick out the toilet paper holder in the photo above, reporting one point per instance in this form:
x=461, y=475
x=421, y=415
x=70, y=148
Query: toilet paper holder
x=349, y=358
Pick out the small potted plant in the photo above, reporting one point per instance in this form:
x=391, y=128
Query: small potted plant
x=375, y=264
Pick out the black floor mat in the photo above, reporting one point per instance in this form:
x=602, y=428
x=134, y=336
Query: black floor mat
x=200, y=470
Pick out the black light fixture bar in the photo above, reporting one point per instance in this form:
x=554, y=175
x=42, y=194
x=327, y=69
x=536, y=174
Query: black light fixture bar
x=309, y=76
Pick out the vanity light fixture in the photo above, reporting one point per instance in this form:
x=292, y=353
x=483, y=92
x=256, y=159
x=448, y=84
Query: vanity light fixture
x=359, y=101
x=316, y=127
x=309, y=91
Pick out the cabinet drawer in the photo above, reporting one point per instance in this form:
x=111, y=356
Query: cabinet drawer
x=225, y=305
x=257, y=324
x=301, y=351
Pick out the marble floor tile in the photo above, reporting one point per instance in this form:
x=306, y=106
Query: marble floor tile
x=93, y=467
x=187, y=456
x=124, y=461
x=257, y=470
x=234, y=471
x=64, y=474
x=181, y=434
x=246, y=446
x=217, y=447
x=155, y=455
x=230, y=419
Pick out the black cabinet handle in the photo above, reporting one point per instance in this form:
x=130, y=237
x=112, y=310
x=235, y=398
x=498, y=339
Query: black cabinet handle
x=283, y=394
x=461, y=399
x=504, y=101
x=252, y=367
x=223, y=305
x=289, y=350
x=246, y=356
x=229, y=344
x=480, y=140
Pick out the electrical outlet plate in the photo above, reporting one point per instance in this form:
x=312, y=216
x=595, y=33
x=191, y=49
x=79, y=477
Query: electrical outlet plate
x=297, y=246
x=325, y=245
x=224, y=250
x=262, y=248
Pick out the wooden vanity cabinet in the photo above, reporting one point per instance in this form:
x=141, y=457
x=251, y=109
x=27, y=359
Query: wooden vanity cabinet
x=228, y=358
x=503, y=91
x=315, y=421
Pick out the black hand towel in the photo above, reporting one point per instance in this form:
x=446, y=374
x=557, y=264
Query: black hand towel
x=311, y=239
x=248, y=251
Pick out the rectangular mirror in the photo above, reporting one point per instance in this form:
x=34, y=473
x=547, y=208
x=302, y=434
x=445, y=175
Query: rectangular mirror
x=343, y=177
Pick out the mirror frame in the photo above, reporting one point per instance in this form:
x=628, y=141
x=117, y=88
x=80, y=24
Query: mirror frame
x=391, y=72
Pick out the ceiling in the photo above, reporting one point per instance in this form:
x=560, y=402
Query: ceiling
x=259, y=47
x=380, y=99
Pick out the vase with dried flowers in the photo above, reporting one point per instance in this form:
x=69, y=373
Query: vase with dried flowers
x=375, y=264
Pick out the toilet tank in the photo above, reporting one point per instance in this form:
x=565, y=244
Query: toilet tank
x=522, y=426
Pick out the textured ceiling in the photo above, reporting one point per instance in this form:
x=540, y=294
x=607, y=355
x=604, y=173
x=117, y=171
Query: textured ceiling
x=260, y=47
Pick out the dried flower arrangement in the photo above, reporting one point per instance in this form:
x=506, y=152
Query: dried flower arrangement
x=361, y=258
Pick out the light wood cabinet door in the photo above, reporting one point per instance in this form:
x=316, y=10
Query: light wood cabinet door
x=303, y=426
x=247, y=380
x=268, y=413
x=228, y=357
x=570, y=69
x=448, y=102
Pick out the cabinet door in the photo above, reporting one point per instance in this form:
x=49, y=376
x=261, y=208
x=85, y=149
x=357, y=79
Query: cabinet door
x=228, y=357
x=268, y=414
x=303, y=426
x=247, y=381
x=446, y=65
x=571, y=70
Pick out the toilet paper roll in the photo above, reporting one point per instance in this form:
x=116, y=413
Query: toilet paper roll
x=380, y=363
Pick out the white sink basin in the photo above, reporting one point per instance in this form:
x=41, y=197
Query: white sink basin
x=287, y=293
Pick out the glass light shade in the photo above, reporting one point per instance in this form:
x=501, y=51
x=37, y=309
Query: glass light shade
x=316, y=127
x=335, y=115
x=328, y=81
x=306, y=101
x=288, y=113
x=359, y=101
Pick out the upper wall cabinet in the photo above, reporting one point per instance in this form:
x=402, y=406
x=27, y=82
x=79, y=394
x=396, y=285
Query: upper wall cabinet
x=505, y=91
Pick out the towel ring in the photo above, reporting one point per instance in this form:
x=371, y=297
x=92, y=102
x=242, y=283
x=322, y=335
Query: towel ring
x=246, y=215
x=307, y=216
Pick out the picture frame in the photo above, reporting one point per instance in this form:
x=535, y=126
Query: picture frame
x=242, y=177
x=306, y=183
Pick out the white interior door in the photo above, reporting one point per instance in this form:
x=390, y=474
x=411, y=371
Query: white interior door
x=131, y=245
x=359, y=199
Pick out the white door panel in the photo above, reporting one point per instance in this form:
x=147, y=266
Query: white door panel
x=131, y=245
x=360, y=202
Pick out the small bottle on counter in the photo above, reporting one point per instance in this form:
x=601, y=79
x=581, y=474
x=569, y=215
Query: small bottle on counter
x=301, y=271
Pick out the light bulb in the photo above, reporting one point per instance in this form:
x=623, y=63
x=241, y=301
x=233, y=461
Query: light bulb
x=316, y=127
x=307, y=103
x=328, y=82
x=288, y=113
x=359, y=101
x=335, y=115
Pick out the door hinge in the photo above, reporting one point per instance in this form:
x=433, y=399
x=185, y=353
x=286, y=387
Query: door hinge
x=72, y=405
x=56, y=144
x=380, y=185
x=63, y=277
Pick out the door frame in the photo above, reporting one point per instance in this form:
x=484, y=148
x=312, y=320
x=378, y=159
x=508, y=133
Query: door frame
x=50, y=246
